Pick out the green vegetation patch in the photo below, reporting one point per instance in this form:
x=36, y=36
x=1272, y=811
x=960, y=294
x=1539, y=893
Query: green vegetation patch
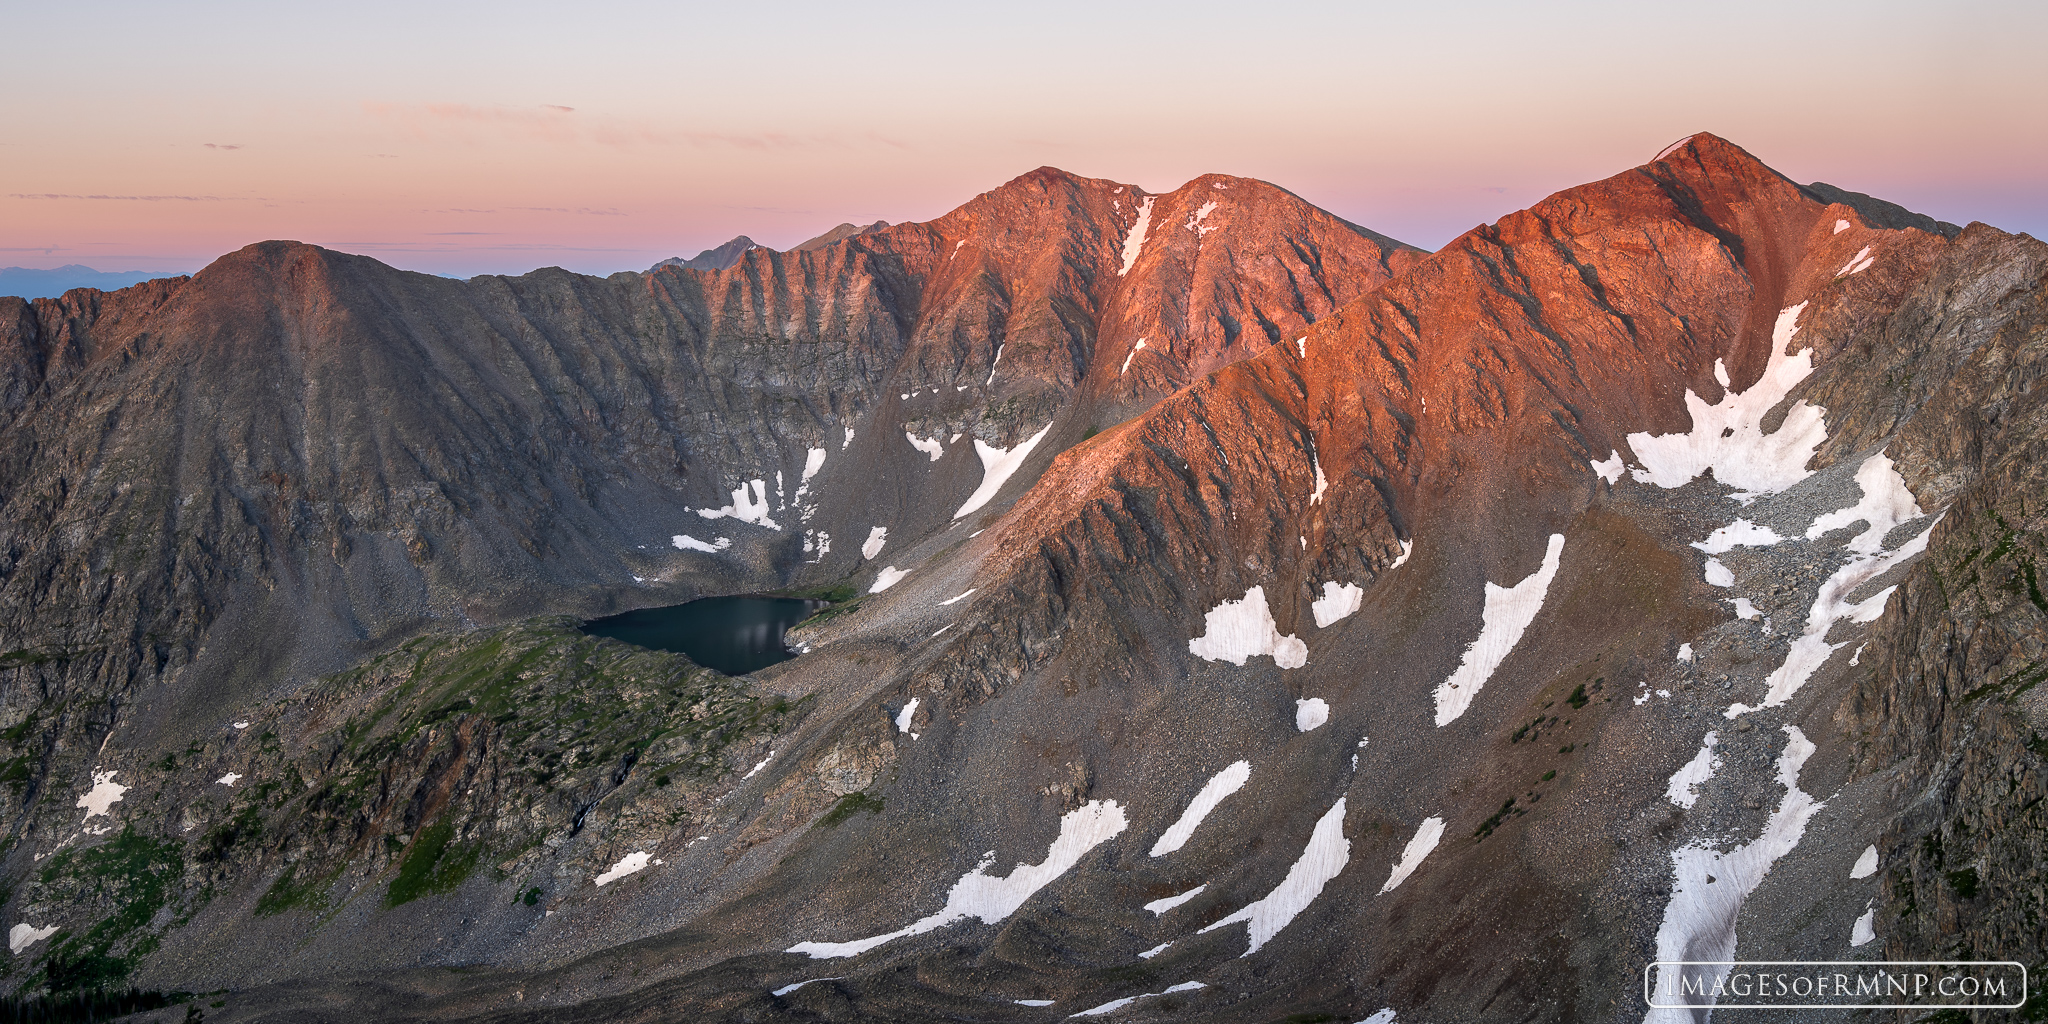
x=133, y=874
x=435, y=863
x=848, y=806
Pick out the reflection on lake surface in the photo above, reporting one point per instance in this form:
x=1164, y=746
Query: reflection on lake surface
x=733, y=635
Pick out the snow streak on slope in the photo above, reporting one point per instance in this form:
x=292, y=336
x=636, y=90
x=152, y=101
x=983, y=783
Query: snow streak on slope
x=1425, y=840
x=997, y=466
x=1866, y=865
x=1133, y=355
x=24, y=935
x=1507, y=615
x=1324, y=858
x=1118, y=1004
x=887, y=578
x=1161, y=906
x=990, y=899
x=1885, y=504
x=877, y=537
x=1832, y=605
x=1224, y=783
x=1699, y=922
x=1728, y=437
x=1243, y=629
x=1684, y=788
x=1135, y=242
x=638, y=860
x=1738, y=534
x=685, y=542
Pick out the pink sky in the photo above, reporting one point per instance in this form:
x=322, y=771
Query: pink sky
x=466, y=139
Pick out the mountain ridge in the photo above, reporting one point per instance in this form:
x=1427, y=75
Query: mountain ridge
x=1343, y=428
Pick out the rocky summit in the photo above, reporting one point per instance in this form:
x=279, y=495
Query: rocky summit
x=1225, y=613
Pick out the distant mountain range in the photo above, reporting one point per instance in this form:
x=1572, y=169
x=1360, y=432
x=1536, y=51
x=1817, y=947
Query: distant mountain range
x=726, y=255
x=48, y=284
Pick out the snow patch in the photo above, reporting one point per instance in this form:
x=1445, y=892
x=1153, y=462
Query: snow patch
x=229, y=779
x=873, y=545
x=1728, y=437
x=763, y=763
x=1684, y=788
x=685, y=542
x=1322, y=482
x=1242, y=629
x=1719, y=575
x=1425, y=840
x=241, y=725
x=1885, y=504
x=1841, y=226
x=1340, y=600
x=1310, y=713
x=997, y=466
x=747, y=510
x=1384, y=1016
x=1322, y=860
x=1156, y=950
x=1864, y=931
x=1609, y=469
x=962, y=597
x=1506, y=616
x=1407, y=548
x=1685, y=654
x=1744, y=610
x=1740, y=533
x=787, y=989
x=1222, y=784
x=638, y=860
x=1032, y=1002
x=1194, y=223
x=1302, y=344
x=1699, y=922
x=105, y=793
x=887, y=578
x=1133, y=355
x=1866, y=865
x=843, y=445
x=930, y=446
x=1134, y=243
x=905, y=716
x=1160, y=906
x=990, y=899
x=24, y=935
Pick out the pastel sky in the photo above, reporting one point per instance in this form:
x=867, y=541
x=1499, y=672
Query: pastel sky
x=467, y=138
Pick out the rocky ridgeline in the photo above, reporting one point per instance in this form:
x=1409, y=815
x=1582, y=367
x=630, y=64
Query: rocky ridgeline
x=1647, y=575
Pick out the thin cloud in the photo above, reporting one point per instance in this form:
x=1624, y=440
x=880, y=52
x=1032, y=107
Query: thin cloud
x=44, y=249
x=220, y=145
x=138, y=199
x=438, y=233
x=546, y=122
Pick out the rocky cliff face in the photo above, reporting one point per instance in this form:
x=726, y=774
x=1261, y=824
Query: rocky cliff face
x=1258, y=617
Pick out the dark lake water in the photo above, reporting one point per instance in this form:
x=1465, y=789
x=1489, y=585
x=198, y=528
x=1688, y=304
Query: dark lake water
x=733, y=635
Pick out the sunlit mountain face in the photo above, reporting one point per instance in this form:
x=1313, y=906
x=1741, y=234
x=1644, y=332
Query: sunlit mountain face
x=1191, y=606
